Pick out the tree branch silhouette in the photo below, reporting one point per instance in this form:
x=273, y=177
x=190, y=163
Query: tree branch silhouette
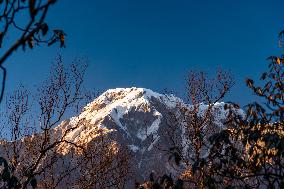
x=35, y=32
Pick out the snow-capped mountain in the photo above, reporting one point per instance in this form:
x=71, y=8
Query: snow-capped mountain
x=137, y=119
x=135, y=113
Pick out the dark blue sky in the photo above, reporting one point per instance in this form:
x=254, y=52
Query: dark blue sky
x=153, y=43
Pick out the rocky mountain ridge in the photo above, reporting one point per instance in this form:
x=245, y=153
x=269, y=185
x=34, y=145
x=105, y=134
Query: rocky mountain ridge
x=136, y=117
x=138, y=120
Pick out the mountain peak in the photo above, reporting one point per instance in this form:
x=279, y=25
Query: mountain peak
x=133, y=90
x=110, y=110
x=131, y=97
x=132, y=93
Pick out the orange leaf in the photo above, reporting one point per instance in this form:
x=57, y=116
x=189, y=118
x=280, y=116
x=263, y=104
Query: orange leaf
x=278, y=60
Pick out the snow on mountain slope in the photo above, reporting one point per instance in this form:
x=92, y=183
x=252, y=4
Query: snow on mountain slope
x=137, y=118
x=114, y=104
x=118, y=105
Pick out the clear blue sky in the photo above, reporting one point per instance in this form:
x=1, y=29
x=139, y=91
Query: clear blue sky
x=153, y=43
